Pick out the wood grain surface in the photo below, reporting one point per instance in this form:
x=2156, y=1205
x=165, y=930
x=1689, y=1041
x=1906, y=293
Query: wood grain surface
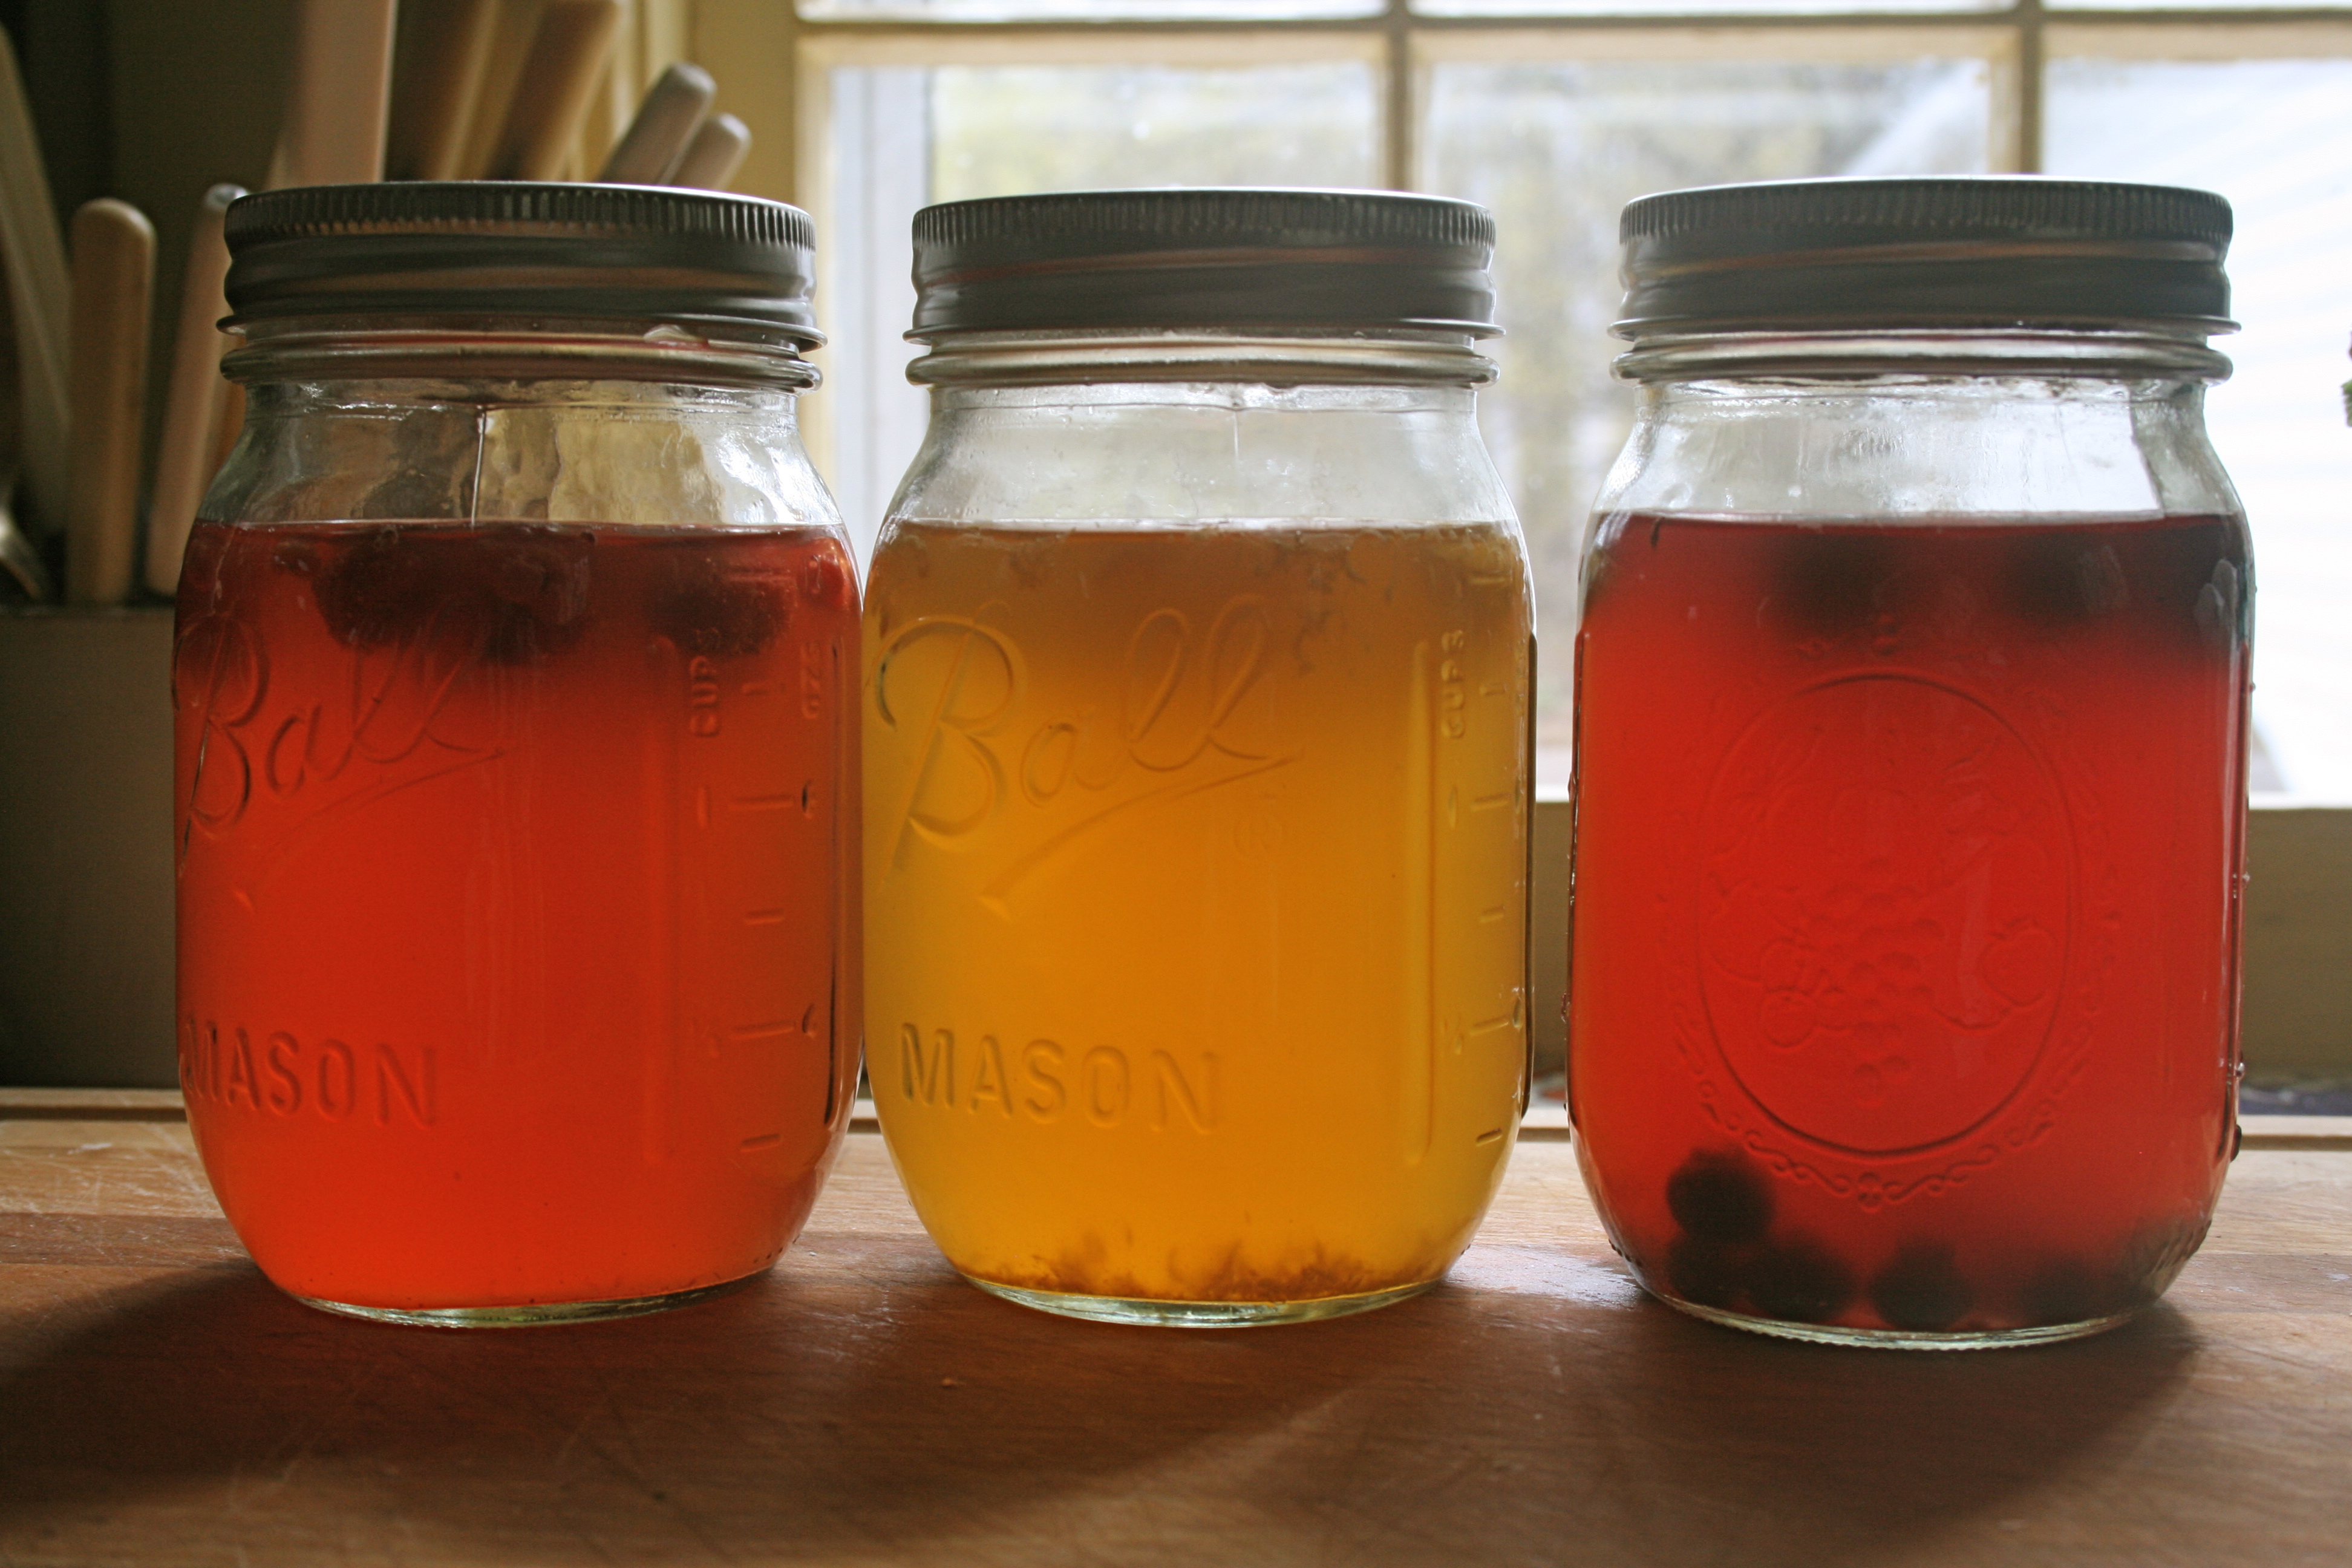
x=160, y=1402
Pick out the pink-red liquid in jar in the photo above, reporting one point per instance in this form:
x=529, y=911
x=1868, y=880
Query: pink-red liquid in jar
x=517, y=942
x=1904, y=956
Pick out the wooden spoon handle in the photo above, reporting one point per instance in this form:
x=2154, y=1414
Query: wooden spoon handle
x=716, y=151
x=194, y=401
x=33, y=255
x=665, y=124
x=436, y=86
x=551, y=102
x=333, y=134
x=113, y=285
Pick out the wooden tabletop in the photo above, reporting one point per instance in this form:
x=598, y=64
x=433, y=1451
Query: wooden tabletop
x=160, y=1402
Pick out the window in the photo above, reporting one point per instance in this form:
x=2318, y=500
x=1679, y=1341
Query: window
x=2261, y=116
x=1554, y=112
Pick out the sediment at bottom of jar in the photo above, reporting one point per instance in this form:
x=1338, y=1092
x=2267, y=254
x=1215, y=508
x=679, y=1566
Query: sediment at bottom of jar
x=1153, y=1312
x=1194, y=1271
x=531, y=1314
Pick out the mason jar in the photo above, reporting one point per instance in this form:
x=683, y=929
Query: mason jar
x=1196, y=709
x=516, y=761
x=1911, y=757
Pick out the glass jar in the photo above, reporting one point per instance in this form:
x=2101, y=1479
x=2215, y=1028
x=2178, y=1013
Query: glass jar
x=1910, y=778
x=516, y=776
x=1196, y=696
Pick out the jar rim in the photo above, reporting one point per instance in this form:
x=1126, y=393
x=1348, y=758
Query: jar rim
x=1396, y=356
x=516, y=349
x=2146, y=351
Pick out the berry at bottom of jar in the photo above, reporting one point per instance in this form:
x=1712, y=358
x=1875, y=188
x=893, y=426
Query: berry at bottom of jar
x=1891, y=1276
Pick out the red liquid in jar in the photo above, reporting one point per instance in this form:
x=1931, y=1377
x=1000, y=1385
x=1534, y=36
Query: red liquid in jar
x=1904, y=986
x=516, y=947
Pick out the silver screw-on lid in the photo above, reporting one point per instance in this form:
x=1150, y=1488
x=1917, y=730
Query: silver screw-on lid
x=509, y=248
x=1268, y=260
x=1988, y=251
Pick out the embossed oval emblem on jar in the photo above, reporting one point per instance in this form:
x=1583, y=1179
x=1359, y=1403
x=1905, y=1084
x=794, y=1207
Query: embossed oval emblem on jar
x=1885, y=907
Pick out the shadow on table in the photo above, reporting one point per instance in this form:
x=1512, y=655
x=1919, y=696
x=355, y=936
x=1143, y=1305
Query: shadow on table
x=861, y=1397
x=1715, y=1447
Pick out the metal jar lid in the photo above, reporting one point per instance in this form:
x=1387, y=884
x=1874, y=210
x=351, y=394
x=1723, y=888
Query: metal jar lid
x=1246, y=261
x=1958, y=252
x=508, y=249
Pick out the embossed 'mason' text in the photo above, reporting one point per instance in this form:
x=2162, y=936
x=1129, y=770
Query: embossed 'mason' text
x=279, y=1074
x=1044, y=1082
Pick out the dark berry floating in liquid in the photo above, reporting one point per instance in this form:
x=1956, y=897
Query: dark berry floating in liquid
x=1720, y=1196
x=511, y=595
x=709, y=605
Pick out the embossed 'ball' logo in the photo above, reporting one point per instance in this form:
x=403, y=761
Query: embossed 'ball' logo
x=1885, y=905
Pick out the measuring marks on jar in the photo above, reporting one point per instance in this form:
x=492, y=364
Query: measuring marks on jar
x=1464, y=827
x=753, y=803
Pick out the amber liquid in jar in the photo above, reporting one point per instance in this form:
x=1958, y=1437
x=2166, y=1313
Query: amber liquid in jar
x=1903, y=990
x=1196, y=889
x=513, y=895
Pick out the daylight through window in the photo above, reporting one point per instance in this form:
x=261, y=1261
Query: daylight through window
x=1554, y=113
